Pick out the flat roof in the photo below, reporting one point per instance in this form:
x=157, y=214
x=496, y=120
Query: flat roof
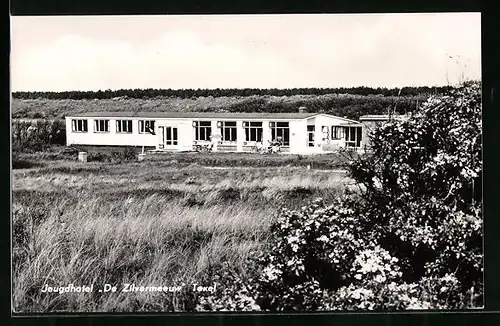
x=382, y=117
x=196, y=115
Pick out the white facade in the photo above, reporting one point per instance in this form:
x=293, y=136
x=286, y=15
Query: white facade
x=302, y=134
x=325, y=139
x=111, y=137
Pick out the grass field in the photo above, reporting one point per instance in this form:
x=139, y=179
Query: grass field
x=165, y=221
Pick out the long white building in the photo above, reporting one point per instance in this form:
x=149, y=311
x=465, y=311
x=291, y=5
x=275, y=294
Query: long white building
x=301, y=132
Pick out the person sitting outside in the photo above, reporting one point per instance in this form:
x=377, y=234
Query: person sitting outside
x=276, y=144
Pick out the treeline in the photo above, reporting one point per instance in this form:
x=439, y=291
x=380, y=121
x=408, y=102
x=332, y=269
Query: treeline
x=189, y=93
x=349, y=106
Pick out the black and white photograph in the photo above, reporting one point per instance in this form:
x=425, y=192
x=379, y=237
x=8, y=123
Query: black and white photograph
x=255, y=163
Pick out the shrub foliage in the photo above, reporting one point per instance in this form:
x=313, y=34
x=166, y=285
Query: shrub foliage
x=36, y=135
x=410, y=239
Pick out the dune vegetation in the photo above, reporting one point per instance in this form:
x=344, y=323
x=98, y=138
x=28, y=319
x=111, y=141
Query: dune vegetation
x=402, y=229
x=349, y=105
x=155, y=222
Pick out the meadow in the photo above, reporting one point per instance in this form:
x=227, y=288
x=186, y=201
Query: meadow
x=165, y=221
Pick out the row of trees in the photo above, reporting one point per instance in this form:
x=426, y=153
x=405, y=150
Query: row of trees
x=349, y=106
x=188, y=93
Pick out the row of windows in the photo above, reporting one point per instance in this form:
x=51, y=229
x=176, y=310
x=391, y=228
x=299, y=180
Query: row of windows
x=337, y=132
x=203, y=130
x=122, y=126
x=253, y=131
x=352, y=135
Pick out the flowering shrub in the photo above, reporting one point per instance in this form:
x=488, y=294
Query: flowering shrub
x=412, y=239
x=423, y=184
x=233, y=294
x=375, y=264
x=311, y=250
x=330, y=260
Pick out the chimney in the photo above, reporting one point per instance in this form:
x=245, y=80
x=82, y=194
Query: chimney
x=302, y=109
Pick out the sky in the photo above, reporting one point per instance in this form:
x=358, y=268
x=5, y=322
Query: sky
x=60, y=53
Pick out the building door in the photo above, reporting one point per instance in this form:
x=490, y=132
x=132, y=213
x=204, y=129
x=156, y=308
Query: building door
x=169, y=138
x=310, y=136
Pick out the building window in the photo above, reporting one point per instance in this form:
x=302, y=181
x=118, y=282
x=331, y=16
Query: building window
x=326, y=133
x=310, y=136
x=353, y=136
x=124, y=126
x=101, y=125
x=79, y=125
x=253, y=131
x=280, y=130
x=171, y=136
x=146, y=126
x=337, y=132
x=228, y=130
x=202, y=130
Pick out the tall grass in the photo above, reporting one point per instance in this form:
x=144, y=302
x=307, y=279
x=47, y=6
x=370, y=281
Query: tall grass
x=147, y=242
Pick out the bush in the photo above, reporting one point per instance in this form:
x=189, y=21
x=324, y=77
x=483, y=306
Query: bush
x=233, y=292
x=21, y=163
x=129, y=154
x=423, y=184
x=98, y=157
x=412, y=239
x=37, y=135
x=310, y=255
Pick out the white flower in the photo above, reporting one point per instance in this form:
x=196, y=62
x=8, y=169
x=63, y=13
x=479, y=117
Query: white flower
x=392, y=286
x=356, y=294
x=323, y=238
x=449, y=278
x=271, y=273
x=415, y=304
